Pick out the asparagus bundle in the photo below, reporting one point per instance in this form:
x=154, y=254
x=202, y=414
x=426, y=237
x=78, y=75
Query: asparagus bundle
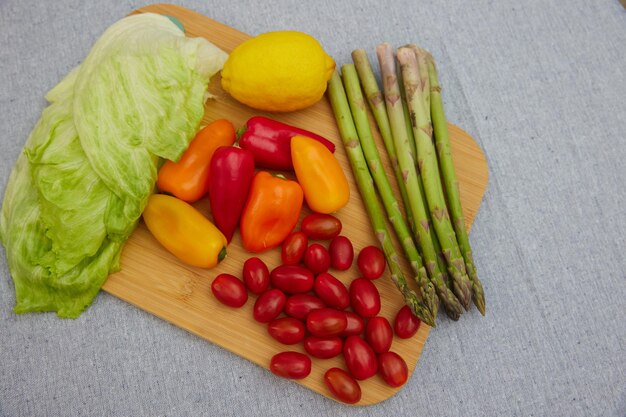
x=370, y=86
x=410, y=177
x=426, y=179
x=357, y=106
x=442, y=142
x=427, y=163
x=368, y=193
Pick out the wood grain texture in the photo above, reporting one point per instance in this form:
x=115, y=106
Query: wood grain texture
x=153, y=280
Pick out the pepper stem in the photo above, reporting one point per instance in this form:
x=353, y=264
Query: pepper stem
x=221, y=255
x=240, y=132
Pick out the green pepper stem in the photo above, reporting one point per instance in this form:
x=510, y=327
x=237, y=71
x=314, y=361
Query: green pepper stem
x=221, y=255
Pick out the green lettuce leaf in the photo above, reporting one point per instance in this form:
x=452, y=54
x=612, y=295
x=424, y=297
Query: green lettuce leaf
x=89, y=165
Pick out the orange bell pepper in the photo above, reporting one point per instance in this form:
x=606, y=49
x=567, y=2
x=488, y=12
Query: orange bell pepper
x=323, y=181
x=271, y=212
x=184, y=231
x=188, y=179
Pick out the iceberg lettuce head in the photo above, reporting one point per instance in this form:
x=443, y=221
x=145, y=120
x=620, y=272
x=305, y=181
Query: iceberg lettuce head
x=89, y=165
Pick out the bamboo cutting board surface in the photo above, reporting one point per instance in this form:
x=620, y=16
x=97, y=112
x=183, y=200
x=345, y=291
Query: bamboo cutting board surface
x=155, y=281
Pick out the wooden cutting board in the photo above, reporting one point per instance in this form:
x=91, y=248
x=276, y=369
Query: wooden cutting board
x=153, y=280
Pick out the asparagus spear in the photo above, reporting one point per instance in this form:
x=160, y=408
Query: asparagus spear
x=372, y=157
x=409, y=174
x=375, y=100
x=425, y=83
x=427, y=163
x=365, y=184
x=442, y=142
x=441, y=261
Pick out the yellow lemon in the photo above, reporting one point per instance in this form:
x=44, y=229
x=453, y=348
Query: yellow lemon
x=278, y=71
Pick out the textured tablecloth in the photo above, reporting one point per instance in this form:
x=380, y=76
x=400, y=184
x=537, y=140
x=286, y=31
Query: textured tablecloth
x=541, y=85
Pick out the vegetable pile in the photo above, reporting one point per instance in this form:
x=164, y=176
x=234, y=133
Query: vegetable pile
x=90, y=164
x=300, y=301
x=266, y=207
x=443, y=267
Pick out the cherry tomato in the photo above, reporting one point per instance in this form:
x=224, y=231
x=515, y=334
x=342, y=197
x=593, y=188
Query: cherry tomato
x=331, y=291
x=355, y=324
x=342, y=386
x=300, y=305
x=269, y=305
x=364, y=297
x=286, y=330
x=317, y=258
x=323, y=347
x=326, y=322
x=292, y=279
x=256, y=275
x=406, y=323
x=341, y=253
x=392, y=369
x=293, y=248
x=229, y=290
x=321, y=226
x=360, y=358
x=292, y=365
x=371, y=262
x=378, y=334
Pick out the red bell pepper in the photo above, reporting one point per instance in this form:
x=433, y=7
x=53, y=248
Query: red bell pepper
x=231, y=173
x=270, y=142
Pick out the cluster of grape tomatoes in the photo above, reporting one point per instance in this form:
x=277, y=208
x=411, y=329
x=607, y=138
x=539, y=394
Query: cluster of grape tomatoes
x=300, y=301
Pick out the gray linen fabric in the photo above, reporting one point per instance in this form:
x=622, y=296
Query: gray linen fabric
x=540, y=84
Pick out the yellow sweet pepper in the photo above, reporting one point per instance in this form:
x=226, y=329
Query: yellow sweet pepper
x=323, y=181
x=184, y=231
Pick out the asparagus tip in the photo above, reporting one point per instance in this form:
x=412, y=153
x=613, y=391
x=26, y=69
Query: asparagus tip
x=467, y=301
x=453, y=315
x=480, y=304
x=433, y=301
x=424, y=314
x=451, y=303
x=463, y=292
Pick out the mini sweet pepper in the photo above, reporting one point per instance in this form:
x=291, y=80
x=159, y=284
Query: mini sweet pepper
x=323, y=181
x=271, y=212
x=188, y=179
x=184, y=231
x=232, y=171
